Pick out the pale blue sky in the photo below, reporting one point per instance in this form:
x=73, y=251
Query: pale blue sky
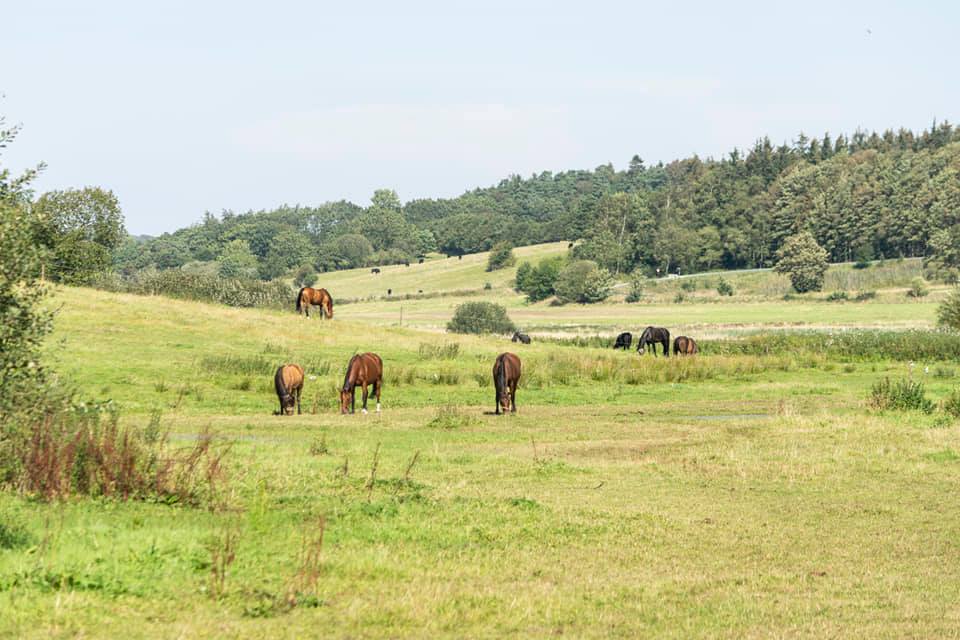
x=183, y=107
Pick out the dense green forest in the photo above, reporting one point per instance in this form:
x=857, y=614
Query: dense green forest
x=864, y=196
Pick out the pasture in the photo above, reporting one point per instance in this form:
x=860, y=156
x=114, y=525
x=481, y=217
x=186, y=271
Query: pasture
x=720, y=496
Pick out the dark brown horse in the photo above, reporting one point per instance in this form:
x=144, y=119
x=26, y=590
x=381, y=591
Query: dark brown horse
x=364, y=369
x=684, y=346
x=288, y=382
x=652, y=336
x=506, y=375
x=316, y=297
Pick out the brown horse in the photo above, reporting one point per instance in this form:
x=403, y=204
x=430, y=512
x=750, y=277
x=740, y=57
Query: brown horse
x=506, y=375
x=289, y=384
x=684, y=346
x=316, y=297
x=364, y=369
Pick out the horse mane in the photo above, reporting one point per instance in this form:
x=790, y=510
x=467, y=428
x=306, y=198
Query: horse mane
x=299, y=296
x=346, y=377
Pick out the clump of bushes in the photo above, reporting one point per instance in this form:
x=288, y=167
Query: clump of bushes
x=837, y=296
x=174, y=283
x=583, y=281
x=951, y=404
x=948, y=313
x=902, y=395
x=724, y=288
x=501, y=256
x=480, y=318
x=918, y=288
x=635, y=294
x=538, y=282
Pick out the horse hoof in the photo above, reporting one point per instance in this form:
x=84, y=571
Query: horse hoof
x=363, y=411
x=378, y=407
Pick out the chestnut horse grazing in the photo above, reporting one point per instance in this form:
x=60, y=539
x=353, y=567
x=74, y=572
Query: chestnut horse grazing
x=289, y=384
x=684, y=346
x=364, y=369
x=316, y=297
x=506, y=375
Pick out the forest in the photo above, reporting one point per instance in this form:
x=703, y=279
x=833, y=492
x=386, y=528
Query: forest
x=864, y=196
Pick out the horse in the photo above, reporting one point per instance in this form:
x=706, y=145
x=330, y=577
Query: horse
x=624, y=340
x=316, y=297
x=375, y=270
x=363, y=369
x=506, y=374
x=419, y=260
x=288, y=382
x=651, y=336
x=520, y=337
x=684, y=346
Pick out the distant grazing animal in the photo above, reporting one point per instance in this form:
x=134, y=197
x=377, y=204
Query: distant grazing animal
x=624, y=341
x=375, y=270
x=419, y=260
x=315, y=297
x=684, y=346
x=406, y=263
x=288, y=382
x=506, y=375
x=363, y=369
x=460, y=257
x=389, y=292
x=569, y=245
x=651, y=336
x=419, y=290
x=520, y=337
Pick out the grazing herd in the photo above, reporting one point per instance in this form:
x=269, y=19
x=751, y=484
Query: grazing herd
x=366, y=369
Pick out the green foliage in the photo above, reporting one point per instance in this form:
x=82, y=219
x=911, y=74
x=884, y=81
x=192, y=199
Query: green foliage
x=305, y=276
x=902, y=395
x=724, y=288
x=584, y=282
x=501, y=256
x=951, y=404
x=480, y=318
x=174, y=283
x=804, y=261
x=918, y=288
x=902, y=346
x=79, y=228
x=837, y=296
x=539, y=282
x=637, y=282
x=948, y=313
x=236, y=260
x=943, y=263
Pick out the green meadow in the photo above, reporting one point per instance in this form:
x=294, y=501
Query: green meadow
x=713, y=496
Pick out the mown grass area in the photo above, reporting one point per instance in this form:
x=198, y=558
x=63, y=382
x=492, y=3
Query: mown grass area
x=744, y=494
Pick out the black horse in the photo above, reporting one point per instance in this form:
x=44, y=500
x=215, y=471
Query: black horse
x=652, y=336
x=520, y=337
x=624, y=340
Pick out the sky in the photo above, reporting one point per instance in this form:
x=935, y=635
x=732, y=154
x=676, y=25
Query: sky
x=185, y=107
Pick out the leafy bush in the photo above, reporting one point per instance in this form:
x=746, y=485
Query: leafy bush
x=539, y=282
x=584, y=282
x=837, y=296
x=637, y=282
x=305, y=276
x=501, y=256
x=190, y=286
x=918, y=288
x=479, y=318
x=951, y=404
x=804, y=261
x=948, y=313
x=724, y=288
x=902, y=395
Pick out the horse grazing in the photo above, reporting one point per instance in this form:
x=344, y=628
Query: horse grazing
x=520, y=337
x=375, y=270
x=288, y=382
x=363, y=369
x=506, y=375
x=684, y=346
x=651, y=336
x=316, y=297
x=624, y=340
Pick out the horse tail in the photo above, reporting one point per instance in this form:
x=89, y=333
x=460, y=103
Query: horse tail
x=278, y=383
x=346, y=377
x=329, y=305
x=502, y=374
x=299, y=297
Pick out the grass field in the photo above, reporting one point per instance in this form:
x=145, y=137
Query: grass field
x=720, y=496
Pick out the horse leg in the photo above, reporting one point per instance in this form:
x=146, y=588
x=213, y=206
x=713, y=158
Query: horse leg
x=513, y=397
x=353, y=398
x=496, y=400
x=666, y=348
x=364, y=408
x=376, y=390
x=298, y=399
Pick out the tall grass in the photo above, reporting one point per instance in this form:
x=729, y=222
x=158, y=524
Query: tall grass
x=851, y=345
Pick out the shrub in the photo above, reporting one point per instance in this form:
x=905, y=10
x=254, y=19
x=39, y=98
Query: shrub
x=679, y=298
x=174, y=283
x=918, y=288
x=948, y=313
x=539, y=282
x=501, y=256
x=689, y=285
x=305, y=276
x=804, y=261
x=951, y=404
x=724, y=288
x=479, y=318
x=861, y=264
x=584, y=282
x=637, y=282
x=863, y=296
x=902, y=395
x=837, y=296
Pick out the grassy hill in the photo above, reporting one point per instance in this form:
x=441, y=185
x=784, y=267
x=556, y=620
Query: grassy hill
x=714, y=496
